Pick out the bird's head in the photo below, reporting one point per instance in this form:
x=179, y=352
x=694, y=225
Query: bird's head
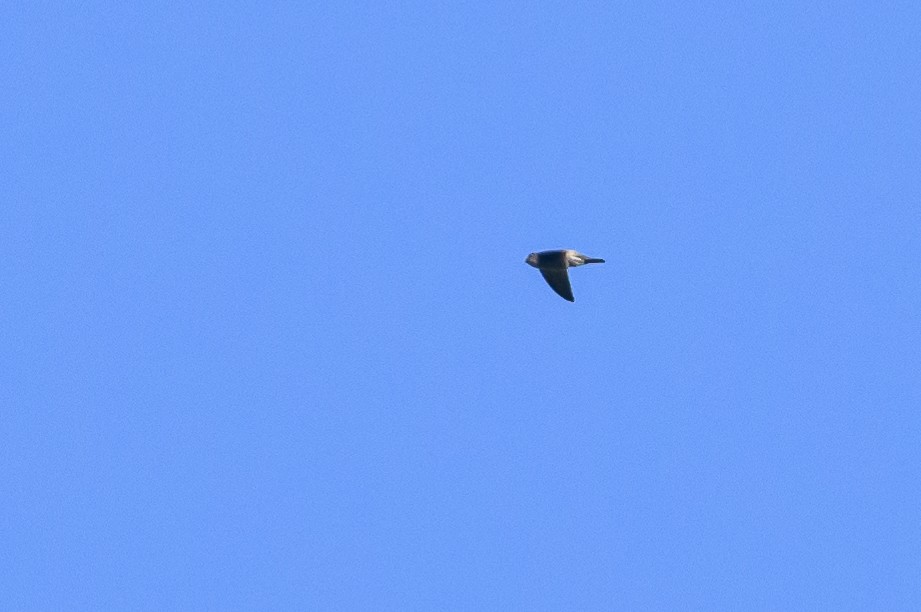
x=531, y=259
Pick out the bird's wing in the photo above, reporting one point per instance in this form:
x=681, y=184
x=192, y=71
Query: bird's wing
x=558, y=279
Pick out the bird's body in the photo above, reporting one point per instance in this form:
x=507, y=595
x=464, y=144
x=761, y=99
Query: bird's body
x=554, y=265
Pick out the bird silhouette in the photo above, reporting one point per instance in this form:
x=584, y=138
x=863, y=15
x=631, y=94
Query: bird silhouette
x=554, y=267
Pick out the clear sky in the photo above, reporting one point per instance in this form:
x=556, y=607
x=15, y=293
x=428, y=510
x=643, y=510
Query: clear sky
x=269, y=340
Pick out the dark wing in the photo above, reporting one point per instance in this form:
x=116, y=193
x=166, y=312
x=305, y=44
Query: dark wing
x=558, y=279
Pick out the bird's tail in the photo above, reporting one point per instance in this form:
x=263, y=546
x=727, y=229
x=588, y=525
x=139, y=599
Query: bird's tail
x=593, y=260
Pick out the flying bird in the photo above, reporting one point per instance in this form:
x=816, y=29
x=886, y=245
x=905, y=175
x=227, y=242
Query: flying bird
x=554, y=265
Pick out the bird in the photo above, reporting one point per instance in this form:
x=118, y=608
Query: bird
x=553, y=266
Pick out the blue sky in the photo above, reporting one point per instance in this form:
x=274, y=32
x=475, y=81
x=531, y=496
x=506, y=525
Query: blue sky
x=269, y=340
